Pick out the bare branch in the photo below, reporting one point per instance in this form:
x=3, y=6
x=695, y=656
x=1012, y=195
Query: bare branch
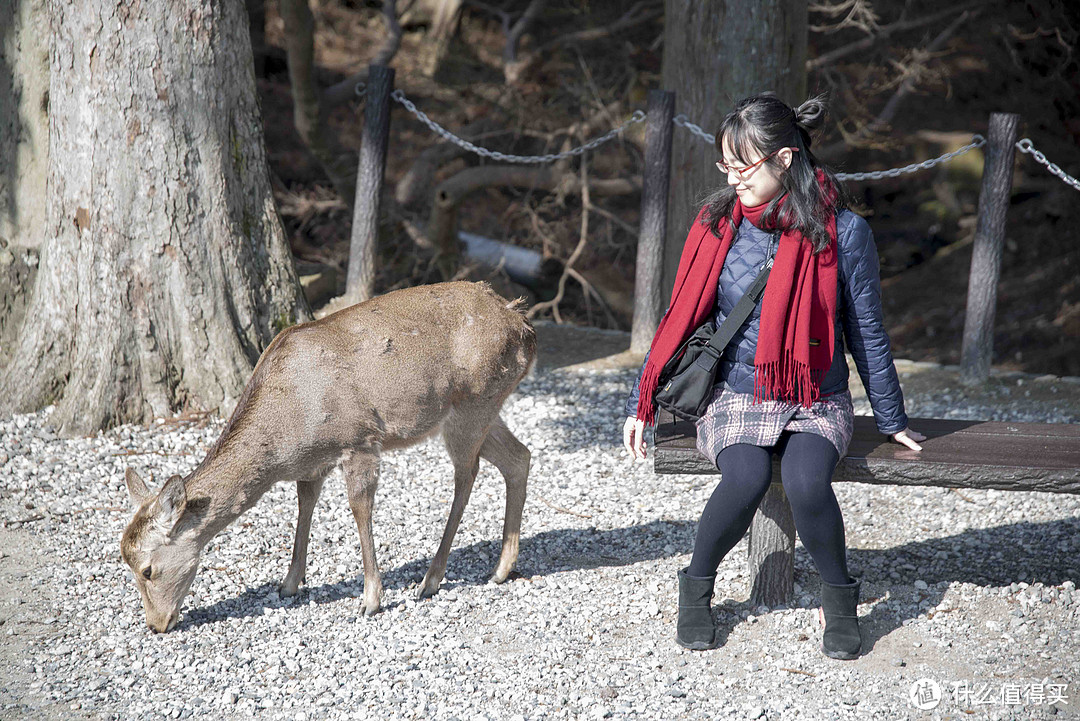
x=518, y=29
x=860, y=14
x=640, y=12
x=346, y=90
x=883, y=33
x=553, y=304
x=882, y=121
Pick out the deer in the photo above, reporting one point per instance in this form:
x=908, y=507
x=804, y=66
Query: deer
x=336, y=392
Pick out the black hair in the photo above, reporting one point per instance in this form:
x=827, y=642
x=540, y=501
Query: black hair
x=764, y=123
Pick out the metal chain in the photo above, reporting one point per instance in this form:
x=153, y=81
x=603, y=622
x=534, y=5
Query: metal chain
x=398, y=95
x=1025, y=146
x=684, y=122
x=977, y=141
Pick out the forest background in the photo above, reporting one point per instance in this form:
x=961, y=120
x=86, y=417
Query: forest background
x=906, y=81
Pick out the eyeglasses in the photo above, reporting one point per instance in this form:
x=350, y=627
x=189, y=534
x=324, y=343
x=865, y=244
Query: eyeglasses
x=741, y=172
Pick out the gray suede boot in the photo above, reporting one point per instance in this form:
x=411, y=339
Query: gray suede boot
x=839, y=604
x=695, y=629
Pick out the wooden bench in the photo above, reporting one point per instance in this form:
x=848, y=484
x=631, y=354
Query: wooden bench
x=956, y=454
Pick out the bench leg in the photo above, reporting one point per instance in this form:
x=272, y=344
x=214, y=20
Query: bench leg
x=772, y=548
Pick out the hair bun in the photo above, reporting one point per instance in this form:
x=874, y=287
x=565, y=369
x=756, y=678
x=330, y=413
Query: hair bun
x=811, y=114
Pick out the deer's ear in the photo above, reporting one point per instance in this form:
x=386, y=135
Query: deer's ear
x=171, y=501
x=136, y=488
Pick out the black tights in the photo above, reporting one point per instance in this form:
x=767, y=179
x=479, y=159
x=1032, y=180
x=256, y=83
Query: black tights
x=807, y=461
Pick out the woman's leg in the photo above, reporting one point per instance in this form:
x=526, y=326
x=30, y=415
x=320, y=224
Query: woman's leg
x=747, y=472
x=807, y=462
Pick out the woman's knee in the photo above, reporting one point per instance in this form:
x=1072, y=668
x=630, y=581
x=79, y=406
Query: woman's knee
x=807, y=465
x=746, y=464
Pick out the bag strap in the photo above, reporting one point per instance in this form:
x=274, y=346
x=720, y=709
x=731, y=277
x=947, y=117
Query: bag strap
x=742, y=309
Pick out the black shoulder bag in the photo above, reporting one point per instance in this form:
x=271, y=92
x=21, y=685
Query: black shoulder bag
x=687, y=379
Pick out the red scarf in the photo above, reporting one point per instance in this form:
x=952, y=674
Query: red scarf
x=799, y=305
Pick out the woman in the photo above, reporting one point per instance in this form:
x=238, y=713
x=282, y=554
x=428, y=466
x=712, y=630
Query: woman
x=782, y=381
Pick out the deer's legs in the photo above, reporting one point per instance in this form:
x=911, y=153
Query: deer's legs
x=361, y=469
x=512, y=458
x=307, y=494
x=463, y=437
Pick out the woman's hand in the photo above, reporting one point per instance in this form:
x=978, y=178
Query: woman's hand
x=633, y=435
x=908, y=438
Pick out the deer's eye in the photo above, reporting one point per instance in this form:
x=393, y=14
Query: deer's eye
x=146, y=573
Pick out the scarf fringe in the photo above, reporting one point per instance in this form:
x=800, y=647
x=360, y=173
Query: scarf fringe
x=789, y=380
x=646, y=409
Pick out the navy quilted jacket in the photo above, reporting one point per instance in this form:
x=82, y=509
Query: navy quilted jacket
x=859, y=316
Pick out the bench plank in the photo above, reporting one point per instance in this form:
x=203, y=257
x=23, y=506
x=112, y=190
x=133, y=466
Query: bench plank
x=956, y=454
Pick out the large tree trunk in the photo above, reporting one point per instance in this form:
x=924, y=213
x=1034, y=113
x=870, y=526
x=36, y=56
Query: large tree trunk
x=717, y=52
x=24, y=155
x=164, y=271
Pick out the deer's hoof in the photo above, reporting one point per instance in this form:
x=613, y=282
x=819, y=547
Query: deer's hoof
x=288, y=589
x=370, y=608
x=427, y=590
x=502, y=573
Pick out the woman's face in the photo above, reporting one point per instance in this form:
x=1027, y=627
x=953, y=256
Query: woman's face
x=759, y=184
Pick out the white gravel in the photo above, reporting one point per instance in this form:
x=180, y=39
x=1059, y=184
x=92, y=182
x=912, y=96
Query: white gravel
x=970, y=586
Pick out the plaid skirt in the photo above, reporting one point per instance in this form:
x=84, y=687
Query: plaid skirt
x=733, y=418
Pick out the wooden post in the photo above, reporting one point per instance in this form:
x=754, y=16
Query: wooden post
x=772, y=547
x=360, y=280
x=978, y=346
x=653, y=225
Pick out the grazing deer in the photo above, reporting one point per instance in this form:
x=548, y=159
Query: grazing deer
x=379, y=375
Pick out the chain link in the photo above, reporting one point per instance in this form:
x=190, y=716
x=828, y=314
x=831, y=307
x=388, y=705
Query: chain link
x=684, y=122
x=977, y=141
x=1026, y=146
x=398, y=95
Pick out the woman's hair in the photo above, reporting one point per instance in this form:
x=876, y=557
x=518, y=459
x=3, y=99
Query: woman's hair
x=764, y=123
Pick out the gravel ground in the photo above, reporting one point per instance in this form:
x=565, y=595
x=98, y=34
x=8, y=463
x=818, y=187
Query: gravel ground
x=975, y=587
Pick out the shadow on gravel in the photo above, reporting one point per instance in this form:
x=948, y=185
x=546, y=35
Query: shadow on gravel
x=548, y=552
x=989, y=557
x=992, y=557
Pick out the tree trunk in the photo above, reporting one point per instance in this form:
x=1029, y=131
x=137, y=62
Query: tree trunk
x=309, y=112
x=165, y=270
x=24, y=122
x=717, y=52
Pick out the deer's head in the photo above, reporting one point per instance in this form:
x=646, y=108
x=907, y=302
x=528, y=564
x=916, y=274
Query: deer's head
x=159, y=552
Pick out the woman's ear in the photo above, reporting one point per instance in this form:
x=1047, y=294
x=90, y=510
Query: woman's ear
x=785, y=156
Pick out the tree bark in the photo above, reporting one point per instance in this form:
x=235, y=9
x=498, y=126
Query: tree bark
x=165, y=269
x=717, y=52
x=24, y=122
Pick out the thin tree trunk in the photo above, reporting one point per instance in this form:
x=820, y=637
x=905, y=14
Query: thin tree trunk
x=309, y=112
x=165, y=270
x=444, y=25
x=716, y=53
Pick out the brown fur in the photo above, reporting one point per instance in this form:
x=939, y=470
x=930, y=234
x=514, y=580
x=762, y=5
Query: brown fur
x=375, y=376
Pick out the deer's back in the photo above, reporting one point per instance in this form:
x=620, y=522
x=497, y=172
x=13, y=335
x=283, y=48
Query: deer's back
x=393, y=366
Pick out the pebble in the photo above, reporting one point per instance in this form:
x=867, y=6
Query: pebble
x=586, y=627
